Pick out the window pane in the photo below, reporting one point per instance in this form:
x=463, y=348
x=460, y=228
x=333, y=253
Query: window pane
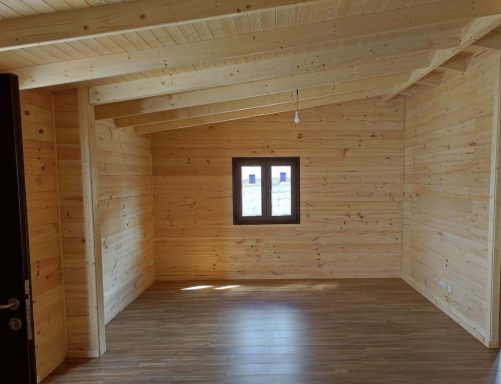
x=251, y=191
x=281, y=190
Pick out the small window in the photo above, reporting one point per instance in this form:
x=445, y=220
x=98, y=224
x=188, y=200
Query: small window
x=266, y=190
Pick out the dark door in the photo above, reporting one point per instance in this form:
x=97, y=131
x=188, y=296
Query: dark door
x=17, y=348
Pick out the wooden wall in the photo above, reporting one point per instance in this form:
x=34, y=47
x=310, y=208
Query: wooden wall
x=83, y=326
x=351, y=196
x=448, y=139
x=44, y=229
x=126, y=215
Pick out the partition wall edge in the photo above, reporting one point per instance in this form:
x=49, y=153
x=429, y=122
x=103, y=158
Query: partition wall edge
x=91, y=204
x=81, y=260
x=494, y=245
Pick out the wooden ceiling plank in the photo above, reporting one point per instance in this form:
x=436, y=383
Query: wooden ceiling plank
x=470, y=33
x=260, y=111
x=121, y=18
x=259, y=101
x=281, y=76
x=233, y=47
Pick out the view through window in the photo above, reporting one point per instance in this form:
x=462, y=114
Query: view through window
x=266, y=190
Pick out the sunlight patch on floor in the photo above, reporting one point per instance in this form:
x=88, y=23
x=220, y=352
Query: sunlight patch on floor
x=227, y=287
x=200, y=287
x=196, y=287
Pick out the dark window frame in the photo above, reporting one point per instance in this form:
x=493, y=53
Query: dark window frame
x=266, y=163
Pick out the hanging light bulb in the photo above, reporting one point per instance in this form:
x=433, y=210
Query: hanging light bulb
x=297, y=120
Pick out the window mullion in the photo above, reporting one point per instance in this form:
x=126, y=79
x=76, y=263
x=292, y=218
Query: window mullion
x=266, y=190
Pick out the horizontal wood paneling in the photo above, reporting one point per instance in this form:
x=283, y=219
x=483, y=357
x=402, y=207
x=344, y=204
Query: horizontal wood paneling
x=44, y=229
x=126, y=215
x=351, y=196
x=447, y=182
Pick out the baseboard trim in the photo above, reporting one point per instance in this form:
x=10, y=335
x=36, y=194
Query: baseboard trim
x=164, y=278
x=83, y=354
x=471, y=329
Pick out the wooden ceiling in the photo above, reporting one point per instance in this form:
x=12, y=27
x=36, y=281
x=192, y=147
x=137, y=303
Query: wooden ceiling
x=168, y=64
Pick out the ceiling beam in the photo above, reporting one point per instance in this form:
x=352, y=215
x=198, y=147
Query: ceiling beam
x=275, y=80
x=71, y=25
x=491, y=41
x=320, y=68
x=458, y=63
x=433, y=79
x=63, y=26
x=318, y=36
x=260, y=111
x=260, y=101
x=257, y=88
x=470, y=33
x=414, y=90
x=402, y=19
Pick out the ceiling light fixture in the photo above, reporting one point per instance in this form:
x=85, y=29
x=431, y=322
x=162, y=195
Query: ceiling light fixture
x=297, y=120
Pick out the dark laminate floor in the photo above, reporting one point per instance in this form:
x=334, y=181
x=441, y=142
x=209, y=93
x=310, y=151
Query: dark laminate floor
x=337, y=331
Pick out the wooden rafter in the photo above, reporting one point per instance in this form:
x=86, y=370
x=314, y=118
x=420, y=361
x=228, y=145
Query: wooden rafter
x=259, y=88
x=317, y=35
x=260, y=111
x=415, y=89
x=470, y=33
x=189, y=99
x=433, y=79
x=66, y=25
x=260, y=101
x=72, y=25
x=491, y=41
x=458, y=63
x=137, y=15
x=234, y=90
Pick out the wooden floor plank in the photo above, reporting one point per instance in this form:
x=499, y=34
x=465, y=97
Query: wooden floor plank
x=334, y=331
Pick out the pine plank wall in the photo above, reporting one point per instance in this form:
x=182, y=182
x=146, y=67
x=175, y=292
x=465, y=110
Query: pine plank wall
x=44, y=227
x=387, y=190
x=126, y=215
x=448, y=142
x=351, y=196
x=56, y=217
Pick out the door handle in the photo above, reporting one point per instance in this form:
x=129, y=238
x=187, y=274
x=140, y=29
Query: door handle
x=12, y=304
